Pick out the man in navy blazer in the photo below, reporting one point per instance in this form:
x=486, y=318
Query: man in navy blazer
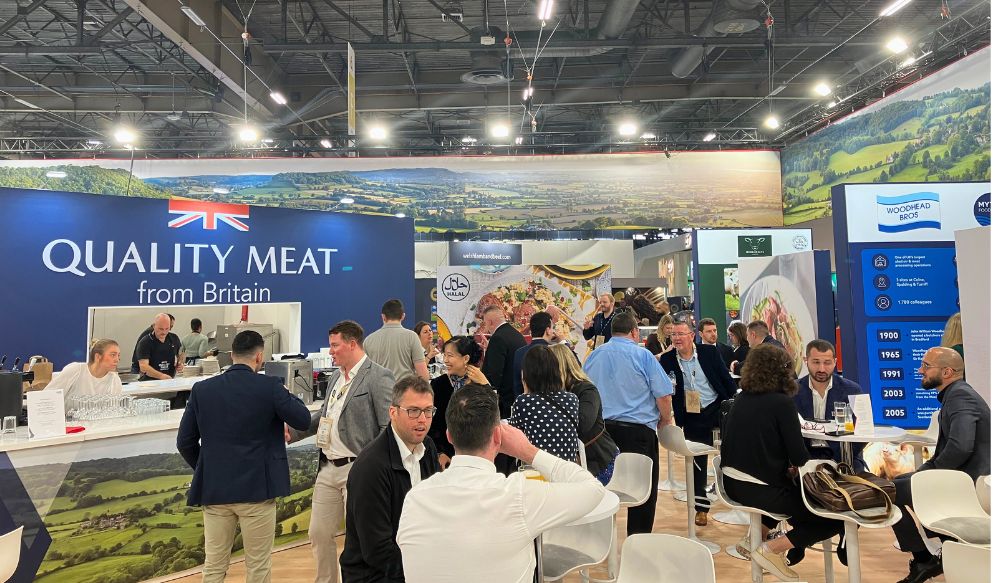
x=233, y=435
x=818, y=391
x=542, y=333
x=701, y=383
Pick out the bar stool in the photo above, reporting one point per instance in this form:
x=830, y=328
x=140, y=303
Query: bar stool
x=672, y=438
x=10, y=552
x=670, y=484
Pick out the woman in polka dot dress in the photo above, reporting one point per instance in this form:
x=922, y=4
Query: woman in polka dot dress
x=547, y=413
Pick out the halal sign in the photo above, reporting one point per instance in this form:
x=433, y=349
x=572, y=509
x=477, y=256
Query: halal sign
x=455, y=287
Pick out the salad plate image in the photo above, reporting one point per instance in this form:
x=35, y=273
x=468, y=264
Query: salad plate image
x=775, y=300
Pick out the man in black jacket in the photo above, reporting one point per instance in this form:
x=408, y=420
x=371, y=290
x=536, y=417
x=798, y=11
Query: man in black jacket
x=701, y=384
x=398, y=459
x=498, y=363
x=963, y=444
x=710, y=335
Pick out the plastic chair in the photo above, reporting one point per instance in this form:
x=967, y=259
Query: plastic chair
x=631, y=478
x=655, y=558
x=10, y=553
x=965, y=563
x=672, y=438
x=983, y=492
x=851, y=523
x=583, y=453
x=571, y=548
x=945, y=502
x=669, y=484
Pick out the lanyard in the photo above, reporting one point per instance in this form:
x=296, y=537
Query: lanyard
x=684, y=370
x=339, y=394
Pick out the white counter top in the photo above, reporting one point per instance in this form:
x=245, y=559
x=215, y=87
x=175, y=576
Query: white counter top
x=100, y=429
x=179, y=384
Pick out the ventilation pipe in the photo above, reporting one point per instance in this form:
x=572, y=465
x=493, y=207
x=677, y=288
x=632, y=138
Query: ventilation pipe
x=728, y=17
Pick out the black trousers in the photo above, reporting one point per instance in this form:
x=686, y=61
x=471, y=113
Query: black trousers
x=636, y=438
x=807, y=528
x=906, y=529
x=698, y=427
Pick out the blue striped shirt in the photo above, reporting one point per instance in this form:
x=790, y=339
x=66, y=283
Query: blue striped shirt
x=629, y=379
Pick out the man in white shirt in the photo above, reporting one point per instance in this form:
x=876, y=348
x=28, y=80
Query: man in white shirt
x=397, y=348
x=97, y=376
x=355, y=412
x=470, y=523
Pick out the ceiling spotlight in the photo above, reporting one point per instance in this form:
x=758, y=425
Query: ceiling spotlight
x=648, y=136
x=469, y=140
x=627, y=129
x=378, y=133
x=822, y=89
x=528, y=92
x=772, y=122
x=174, y=116
x=897, y=44
x=93, y=142
x=400, y=215
x=267, y=140
x=278, y=98
x=248, y=134
x=55, y=174
x=500, y=130
x=893, y=8
x=519, y=140
x=326, y=143
x=545, y=9
x=346, y=200
x=709, y=137
x=831, y=104
x=124, y=135
x=187, y=10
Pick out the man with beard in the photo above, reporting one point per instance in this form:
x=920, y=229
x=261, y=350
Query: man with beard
x=818, y=391
x=963, y=444
x=598, y=328
x=397, y=460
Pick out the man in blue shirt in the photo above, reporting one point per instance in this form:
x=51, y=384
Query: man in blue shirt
x=635, y=396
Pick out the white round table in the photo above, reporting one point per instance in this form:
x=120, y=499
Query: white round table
x=880, y=434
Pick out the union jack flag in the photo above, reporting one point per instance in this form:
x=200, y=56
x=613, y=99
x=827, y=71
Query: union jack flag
x=210, y=213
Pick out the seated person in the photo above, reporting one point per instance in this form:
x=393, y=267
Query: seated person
x=818, y=391
x=461, y=354
x=762, y=449
x=159, y=353
x=97, y=376
x=547, y=413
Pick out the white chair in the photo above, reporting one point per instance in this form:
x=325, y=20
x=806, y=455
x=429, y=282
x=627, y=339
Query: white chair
x=672, y=438
x=655, y=558
x=851, y=523
x=10, y=553
x=583, y=453
x=927, y=439
x=670, y=484
x=983, y=492
x=631, y=481
x=945, y=502
x=965, y=563
x=572, y=548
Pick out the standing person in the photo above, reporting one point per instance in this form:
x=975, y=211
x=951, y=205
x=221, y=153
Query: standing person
x=143, y=334
x=542, y=334
x=195, y=344
x=952, y=337
x=470, y=523
x=761, y=453
x=356, y=410
x=635, y=393
x=426, y=334
x=701, y=384
x=546, y=413
x=159, y=353
x=963, y=444
x=395, y=347
x=238, y=456
x=385, y=471
x=709, y=332
x=737, y=333
x=818, y=391
x=598, y=327
x=600, y=449
x=757, y=334
x=498, y=364
x=658, y=342
x=461, y=354
x=97, y=376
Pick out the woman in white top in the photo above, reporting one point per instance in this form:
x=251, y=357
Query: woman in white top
x=96, y=376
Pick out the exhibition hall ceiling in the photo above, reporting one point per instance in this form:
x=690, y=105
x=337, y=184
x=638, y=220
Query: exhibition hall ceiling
x=207, y=78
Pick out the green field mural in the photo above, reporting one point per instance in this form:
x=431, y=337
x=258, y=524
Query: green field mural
x=937, y=130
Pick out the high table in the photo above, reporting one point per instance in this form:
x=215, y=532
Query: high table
x=890, y=433
x=608, y=506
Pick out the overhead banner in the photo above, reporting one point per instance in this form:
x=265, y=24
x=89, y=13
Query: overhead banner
x=76, y=251
x=895, y=248
x=477, y=253
x=568, y=292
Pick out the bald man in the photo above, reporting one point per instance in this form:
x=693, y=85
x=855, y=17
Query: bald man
x=963, y=444
x=159, y=353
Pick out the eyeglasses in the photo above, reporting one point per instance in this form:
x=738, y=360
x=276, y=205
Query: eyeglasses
x=414, y=412
x=680, y=334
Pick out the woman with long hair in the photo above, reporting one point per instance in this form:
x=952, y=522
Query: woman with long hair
x=952, y=337
x=426, y=335
x=547, y=413
x=737, y=333
x=598, y=445
x=461, y=359
x=659, y=341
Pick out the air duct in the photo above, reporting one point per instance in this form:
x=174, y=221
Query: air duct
x=728, y=17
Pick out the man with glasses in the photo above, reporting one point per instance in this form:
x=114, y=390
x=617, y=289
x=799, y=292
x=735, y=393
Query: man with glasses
x=701, y=384
x=397, y=460
x=963, y=444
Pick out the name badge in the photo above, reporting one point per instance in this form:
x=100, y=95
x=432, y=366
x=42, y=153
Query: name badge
x=598, y=340
x=323, y=432
x=692, y=402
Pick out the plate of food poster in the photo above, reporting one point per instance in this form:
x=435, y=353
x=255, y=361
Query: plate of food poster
x=775, y=300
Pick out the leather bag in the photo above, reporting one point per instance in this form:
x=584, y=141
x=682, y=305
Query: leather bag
x=842, y=490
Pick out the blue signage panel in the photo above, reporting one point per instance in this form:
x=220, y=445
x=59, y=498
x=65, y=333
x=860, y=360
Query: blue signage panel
x=895, y=350
x=67, y=252
x=909, y=281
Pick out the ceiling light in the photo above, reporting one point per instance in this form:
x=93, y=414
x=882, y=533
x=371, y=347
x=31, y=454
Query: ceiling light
x=627, y=129
x=220, y=190
x=400, y=215
x=248, y=134
x=55, y=174
x=500, y=130
x=174, y=116
x=326, y=143
x=93, y=142
x=893, y=8
x=267, y=140
x=519, y=140
x=910, y=60
x=346, y=200
x=528, y=92
x=772, y=122
x=831, y=104
x=378, y=133
x=822, y=89
x=897, y=44
x=648, y=136
x=187, y=10
x=545, y=9
x=469, y=140
x=124, y=135
x=709, y=137
x=278, y=98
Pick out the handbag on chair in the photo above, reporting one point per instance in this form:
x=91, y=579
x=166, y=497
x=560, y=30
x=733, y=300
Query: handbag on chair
x=841, y=489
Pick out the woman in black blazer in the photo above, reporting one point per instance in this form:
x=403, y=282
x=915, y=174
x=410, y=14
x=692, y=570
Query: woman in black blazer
x=460, y=355
x=738, y=340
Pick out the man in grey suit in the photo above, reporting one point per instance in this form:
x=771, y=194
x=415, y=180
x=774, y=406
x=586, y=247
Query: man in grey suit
x=355, y=412
x=963, y=444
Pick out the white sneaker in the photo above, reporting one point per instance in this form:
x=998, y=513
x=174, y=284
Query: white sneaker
x=743, y=547
x=774, y=564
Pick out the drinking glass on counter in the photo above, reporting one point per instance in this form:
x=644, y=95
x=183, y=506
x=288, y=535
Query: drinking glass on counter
x=840, y=415
x=9, y=424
